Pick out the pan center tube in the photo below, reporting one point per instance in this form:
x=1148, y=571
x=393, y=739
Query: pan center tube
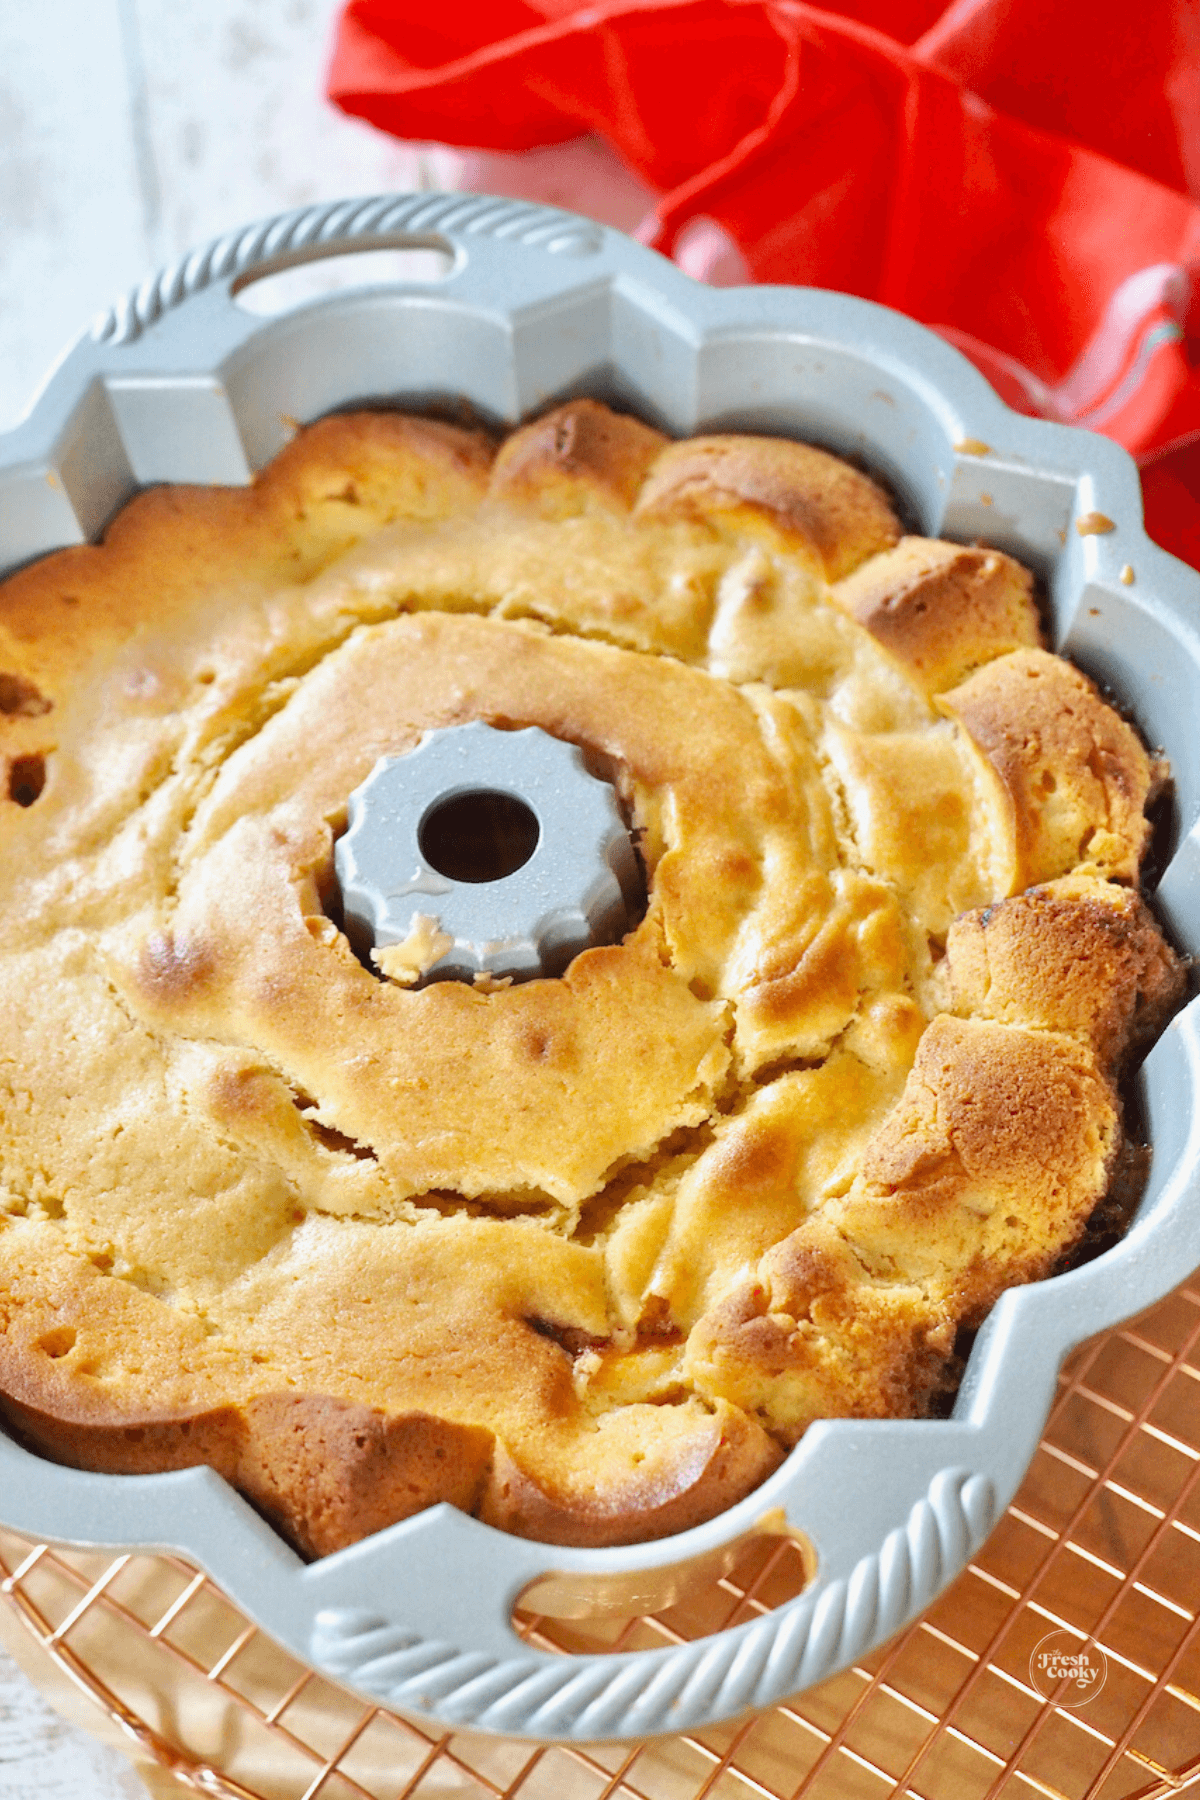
x=483, y=855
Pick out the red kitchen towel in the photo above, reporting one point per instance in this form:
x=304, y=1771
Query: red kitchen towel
x=1021, y=175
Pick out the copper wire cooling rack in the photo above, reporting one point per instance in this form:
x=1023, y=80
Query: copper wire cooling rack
x=1099, y=1556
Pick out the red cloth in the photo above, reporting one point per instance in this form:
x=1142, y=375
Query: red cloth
x=1022, y=175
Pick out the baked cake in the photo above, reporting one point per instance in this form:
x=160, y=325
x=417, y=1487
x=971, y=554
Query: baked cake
x=583, y=1255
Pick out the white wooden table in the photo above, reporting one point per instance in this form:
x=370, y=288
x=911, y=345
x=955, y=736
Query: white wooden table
x=41, y=1755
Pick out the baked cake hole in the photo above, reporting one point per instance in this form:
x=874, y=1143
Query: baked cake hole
x=20, y=699
x=57, y=1343
x=568, y=1337
x=328, y=1136
x=525, y=1202
x=331, y=1139
x=482, y=835
x=26, y=779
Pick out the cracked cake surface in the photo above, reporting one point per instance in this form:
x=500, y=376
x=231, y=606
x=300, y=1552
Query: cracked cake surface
x=582, y=1255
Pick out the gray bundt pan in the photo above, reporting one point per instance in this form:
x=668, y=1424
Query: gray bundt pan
x=181, y=383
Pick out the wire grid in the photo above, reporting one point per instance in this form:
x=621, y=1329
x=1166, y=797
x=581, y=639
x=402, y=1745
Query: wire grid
x=1101, y=1546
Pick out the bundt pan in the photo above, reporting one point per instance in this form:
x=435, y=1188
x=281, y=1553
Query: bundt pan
x=184, y=382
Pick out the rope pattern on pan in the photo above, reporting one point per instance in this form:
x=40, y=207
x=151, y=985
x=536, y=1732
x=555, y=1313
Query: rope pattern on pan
x=381, y=217
x=670, y=1690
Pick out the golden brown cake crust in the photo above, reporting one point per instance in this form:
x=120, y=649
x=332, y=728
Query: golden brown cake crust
x=815, y=502
x=1078, y=955
x=1075, y=773
x=584, y=1255
x=577, y=457
x=942, y=609
x=687, y=1466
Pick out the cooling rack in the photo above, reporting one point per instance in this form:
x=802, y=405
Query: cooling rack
x=1064, y=1662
